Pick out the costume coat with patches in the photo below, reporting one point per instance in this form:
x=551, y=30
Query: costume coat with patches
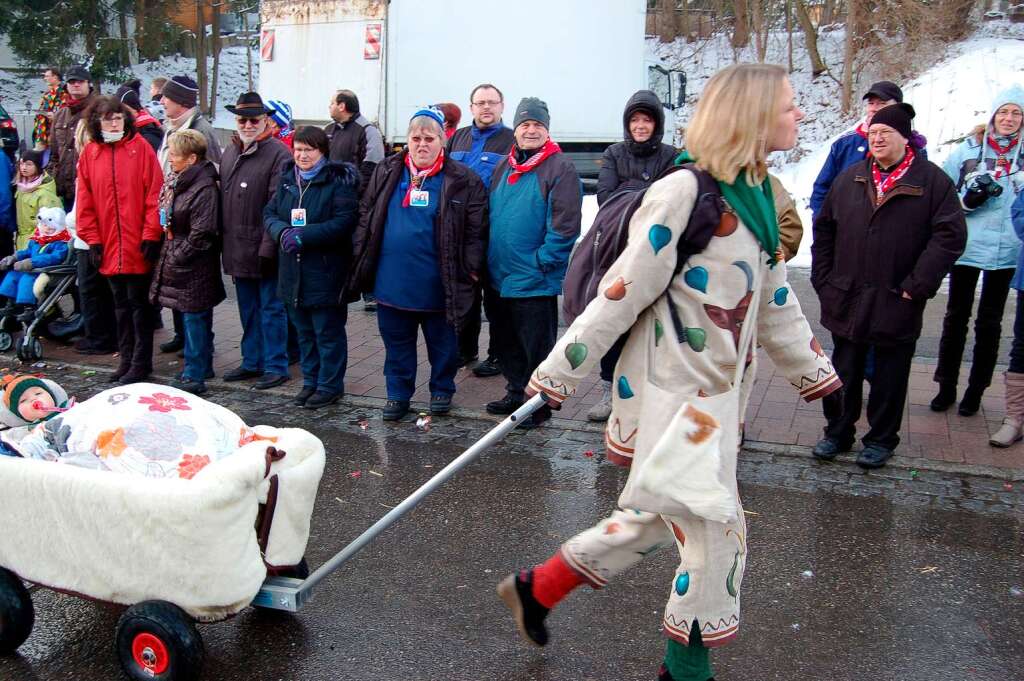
x=710, y=297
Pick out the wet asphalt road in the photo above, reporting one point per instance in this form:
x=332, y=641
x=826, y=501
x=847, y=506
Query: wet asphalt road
x=904, y=586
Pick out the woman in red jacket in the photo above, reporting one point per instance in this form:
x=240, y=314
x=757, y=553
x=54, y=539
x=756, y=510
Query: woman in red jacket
x=119, y=181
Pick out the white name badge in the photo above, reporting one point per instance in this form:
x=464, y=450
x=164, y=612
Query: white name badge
x=419, y=198
x=298, y=217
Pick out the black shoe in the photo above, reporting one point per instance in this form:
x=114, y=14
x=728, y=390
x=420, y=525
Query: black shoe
x=180, y=376
x=241, y=374
x=395, y=410
x=135, y=376
x=304, y=394
x=971, y=402
x=440, y=404
x=173, y=345
x=466, y=360
x=28, y=315
x=321, y=399
x=873, y=456
x=119, y=373
x=945, y=398
x=516, y=592
x=487, y=368
x=189, y=386
x=664, y=675
x=829, y=448
x=537, y=419
x=505, y=406
x=89, y=349
x=271, y=381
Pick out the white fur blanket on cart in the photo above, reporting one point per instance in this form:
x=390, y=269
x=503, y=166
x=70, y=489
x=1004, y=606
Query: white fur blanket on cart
x=197, y=526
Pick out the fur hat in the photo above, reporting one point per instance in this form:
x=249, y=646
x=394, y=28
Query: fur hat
x=53, y=218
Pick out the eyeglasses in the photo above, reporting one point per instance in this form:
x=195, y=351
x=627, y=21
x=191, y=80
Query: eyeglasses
x=881, y=134
x=244, y=120
x=490, y=103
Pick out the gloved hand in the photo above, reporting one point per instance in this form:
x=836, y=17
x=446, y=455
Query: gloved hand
x=7, y=262
x=96, y=255
x=151, y=250
x=291, y=240
x=23, y=265
x=268, y=267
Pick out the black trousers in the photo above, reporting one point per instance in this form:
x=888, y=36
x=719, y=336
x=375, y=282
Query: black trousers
x=988, y=324
x=885, y=402
x=469, y=339
x=525, y=330
x=611, y=358
x=96, y=304
x=134, y=320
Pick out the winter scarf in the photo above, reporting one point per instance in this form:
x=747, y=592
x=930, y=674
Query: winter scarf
x=1003, y=146
x=882, y=186
x=418, y=175
x=62, y=235
x=307, y=175
x=145, y=118
x=166, y=201
x=550, y=148
x=754, y=205
x=28, y=186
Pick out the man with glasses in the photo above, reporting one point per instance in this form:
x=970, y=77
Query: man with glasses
x=249, y=173
x=481, y=146
x=179, y=96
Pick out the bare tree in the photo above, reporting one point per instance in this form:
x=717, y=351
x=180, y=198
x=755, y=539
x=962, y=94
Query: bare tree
x=810, y=37
x=741, y=25
x=215, y=35
x=201, y=56
x=848, y=54
x=789, y=33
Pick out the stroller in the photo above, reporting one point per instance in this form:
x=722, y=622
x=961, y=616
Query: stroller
x=58, y=309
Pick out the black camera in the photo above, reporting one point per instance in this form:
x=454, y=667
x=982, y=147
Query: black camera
x=980, y=189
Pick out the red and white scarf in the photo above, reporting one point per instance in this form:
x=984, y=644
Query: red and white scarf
x=62, y=235
x=1003, y=159
x=417, y=176
x=882, y=187
x=550, y=148
x=145, y=118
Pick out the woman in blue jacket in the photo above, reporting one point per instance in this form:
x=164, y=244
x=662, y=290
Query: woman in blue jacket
x=312, y=217
x=986, y=168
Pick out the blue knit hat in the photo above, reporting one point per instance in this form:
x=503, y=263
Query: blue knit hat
x=280, y=113
x=432, y=113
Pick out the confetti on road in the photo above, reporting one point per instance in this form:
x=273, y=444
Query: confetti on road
x=807, y=574
x=927, y=570
x=355, y=474
x=379, y=475
x=589, y=453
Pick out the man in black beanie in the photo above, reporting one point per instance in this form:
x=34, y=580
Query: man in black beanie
x=145, y=124
x=889, y=231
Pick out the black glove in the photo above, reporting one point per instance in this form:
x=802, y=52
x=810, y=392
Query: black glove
x=268, y=267
x=150, y=250
x=96, y=255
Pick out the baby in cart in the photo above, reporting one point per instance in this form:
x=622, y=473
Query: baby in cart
x=47, y=247
x=28, y=401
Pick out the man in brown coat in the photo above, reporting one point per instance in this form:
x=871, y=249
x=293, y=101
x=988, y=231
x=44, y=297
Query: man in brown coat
x=888, y=233
x=249, y=173
x=62, y=166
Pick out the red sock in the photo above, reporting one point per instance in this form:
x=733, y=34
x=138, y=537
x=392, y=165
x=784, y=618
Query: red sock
x=553, y=580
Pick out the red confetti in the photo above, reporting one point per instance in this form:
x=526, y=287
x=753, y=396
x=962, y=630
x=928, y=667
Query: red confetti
x=589, y=453
x=1008, y=487
x=354, y=474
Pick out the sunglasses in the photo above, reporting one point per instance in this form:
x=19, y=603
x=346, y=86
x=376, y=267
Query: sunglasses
x=245, y=120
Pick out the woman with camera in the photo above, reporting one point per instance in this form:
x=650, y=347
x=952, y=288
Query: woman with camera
x=987, y=170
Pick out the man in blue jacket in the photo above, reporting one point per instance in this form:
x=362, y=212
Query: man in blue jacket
x=481, y=146
x=852, y=147
x=535, y=220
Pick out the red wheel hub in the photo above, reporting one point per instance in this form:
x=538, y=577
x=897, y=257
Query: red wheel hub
x=150, y=653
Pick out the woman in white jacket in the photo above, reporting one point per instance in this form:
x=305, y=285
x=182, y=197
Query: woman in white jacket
x=684, y=338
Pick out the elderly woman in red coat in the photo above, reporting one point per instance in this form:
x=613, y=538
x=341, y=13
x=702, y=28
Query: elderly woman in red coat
x=119, y=180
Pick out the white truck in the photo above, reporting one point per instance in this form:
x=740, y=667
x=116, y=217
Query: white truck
x=583, y=57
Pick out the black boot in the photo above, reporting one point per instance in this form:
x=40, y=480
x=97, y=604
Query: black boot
x=971, y=402
x=516, y=591
x=946, y=397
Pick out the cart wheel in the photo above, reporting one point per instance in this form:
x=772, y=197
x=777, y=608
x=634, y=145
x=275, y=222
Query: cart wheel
x=157, y=640
x=29, y=349
x=6, y=341
x=9, y=323
x=16, y=612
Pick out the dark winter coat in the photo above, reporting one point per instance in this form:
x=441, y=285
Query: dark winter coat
x=635, y=164
x=63, y=157
x=152, y=133
x=864, y=257
x=481, y=150
x=248, y=181
x=187, y=275
x=356, y=141
x=460, y=233
x=315, y=277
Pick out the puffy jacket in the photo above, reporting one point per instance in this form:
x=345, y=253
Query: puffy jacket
x=1017, y=216
x=63, y=157
x=28, y=204
x=460, y=233
x=45, y=255
x=991, y=242
x=187, y=275
x=631, y=163
x=865, y=256
x=534, y=224
x=481, y=150
x=248, y=181
x=118, y=193
x=152, y=133
x=315, y=277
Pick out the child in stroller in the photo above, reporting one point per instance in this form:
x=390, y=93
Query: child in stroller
x=47, y=247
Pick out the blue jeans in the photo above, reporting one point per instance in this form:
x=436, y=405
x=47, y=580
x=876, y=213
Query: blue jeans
x=399, y=330
x=264, y=326
x=323, y=346
x=198, y=344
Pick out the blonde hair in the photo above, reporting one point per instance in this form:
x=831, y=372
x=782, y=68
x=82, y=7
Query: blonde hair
x=186, y=142
x=735, y=114
x=81, y=136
